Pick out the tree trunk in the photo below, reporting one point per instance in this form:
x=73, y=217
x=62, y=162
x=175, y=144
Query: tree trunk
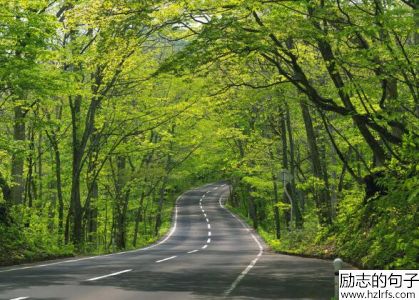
x=122, y=197
x=328, y=57
x=298, y=219
x=77, y=213
x=39, y=193
x=275, y=207
x=138, y=217
x=90, y=207
x=121, y=231
x=19, y=136
x=162, y=194
x=285, y=165
x=252, y=207
x=30, y=190
x=92, y=212
x=59, y=189
x=323, y=200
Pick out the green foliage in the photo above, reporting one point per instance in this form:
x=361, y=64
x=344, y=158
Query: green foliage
x=28, y=244
x=383, y=232
x=109, y=109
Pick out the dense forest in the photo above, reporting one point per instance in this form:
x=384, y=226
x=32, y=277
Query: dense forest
x=309, y=109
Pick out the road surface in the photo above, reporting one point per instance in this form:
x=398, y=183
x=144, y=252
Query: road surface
x=208, y=254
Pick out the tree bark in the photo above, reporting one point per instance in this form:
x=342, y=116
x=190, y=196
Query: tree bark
x=323, y=200
x=78, y=150
x=122, y=199
x=19, y=136
x=275, y=207
x=138, y=217
x=285, y=164
x=298, y=219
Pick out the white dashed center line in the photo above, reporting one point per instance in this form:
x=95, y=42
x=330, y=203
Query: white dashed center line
x=207, y=220
x=193, y=251
x=161, y=260
x=109, y=275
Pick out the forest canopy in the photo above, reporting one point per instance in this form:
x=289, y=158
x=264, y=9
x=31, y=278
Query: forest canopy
x=308, y=109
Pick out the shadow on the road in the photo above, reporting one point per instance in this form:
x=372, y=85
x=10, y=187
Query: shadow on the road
x=207, y=276
x=274, y=277
x=286, y=277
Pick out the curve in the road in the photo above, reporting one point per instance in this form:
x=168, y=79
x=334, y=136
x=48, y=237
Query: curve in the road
x=209, y=253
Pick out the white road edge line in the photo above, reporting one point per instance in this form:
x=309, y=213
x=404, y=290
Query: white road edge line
x=252, y=263
x=109, y=275
x=205, y=246
x=20, y=298
x=161, y=260
x=105, y=255
x=193, y=251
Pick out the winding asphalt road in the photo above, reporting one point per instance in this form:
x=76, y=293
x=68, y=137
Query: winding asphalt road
x=208, y=254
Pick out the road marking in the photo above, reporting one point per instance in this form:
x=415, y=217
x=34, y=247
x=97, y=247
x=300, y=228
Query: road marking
x=203, y=196
x=219, y=201
x=209, y=233
x=205, y=246
x=207, y=220
x=193, y=251
x=209, y=240
x=166, y=238
x=161, y=260
x=20, y=298
x=51, y=264
x=109, y=275
x=245, y=271
x=205, y=215
x=216, y=188
x=203, y=211
x=209, y=226
x=252, y=263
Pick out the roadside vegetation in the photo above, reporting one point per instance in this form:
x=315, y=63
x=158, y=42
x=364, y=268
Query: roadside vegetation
x=110, y=109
